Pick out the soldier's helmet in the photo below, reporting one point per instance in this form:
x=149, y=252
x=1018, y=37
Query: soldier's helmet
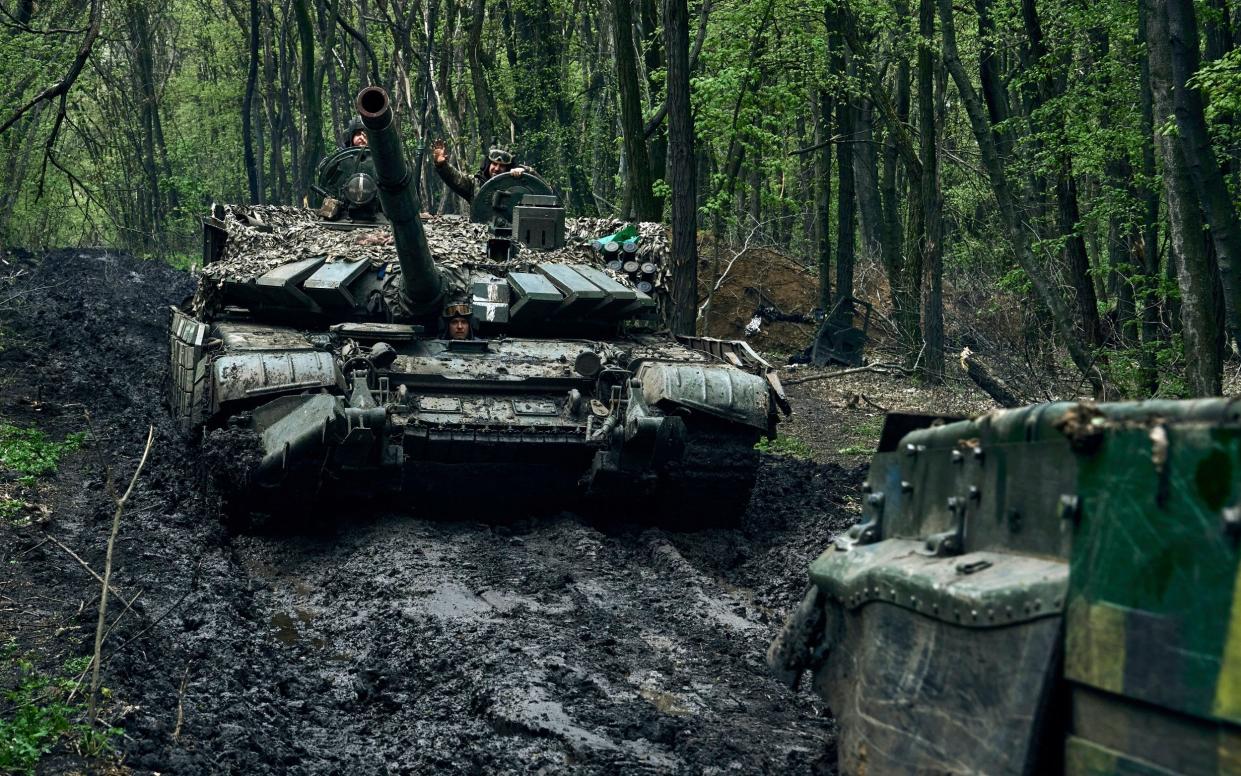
x=458, y=309
x=496, y=153
x=500, y=154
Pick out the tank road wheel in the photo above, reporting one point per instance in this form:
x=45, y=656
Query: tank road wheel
x=711, y=484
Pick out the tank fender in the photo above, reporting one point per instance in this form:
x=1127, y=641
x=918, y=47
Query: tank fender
x=246, y=375
x=803, y=643
x=299, y=430
x=721, y=391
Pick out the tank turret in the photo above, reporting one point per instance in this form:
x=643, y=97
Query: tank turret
x=421, y=284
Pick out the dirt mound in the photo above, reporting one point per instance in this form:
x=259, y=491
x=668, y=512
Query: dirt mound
x=753, y=277
x=391, y=642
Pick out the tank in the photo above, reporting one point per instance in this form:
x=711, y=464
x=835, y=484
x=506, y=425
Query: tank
x=1049, y=589
x=313, y=360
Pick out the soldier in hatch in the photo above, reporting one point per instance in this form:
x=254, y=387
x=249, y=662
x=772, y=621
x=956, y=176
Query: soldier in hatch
x=457, y=324
x=354, y=135
x=498, y=162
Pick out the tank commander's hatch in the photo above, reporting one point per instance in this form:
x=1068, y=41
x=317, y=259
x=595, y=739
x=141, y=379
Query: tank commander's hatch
x=519, y=209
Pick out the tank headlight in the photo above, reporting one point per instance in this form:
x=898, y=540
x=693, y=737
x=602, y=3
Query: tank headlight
x=360, y=188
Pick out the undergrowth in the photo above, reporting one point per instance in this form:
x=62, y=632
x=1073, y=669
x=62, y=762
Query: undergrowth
x=36, y=713
x=29, y=452
x=785, y=445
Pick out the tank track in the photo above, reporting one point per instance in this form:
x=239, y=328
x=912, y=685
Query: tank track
x=711, y=484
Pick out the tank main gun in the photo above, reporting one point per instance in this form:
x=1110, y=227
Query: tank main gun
x=421, y=284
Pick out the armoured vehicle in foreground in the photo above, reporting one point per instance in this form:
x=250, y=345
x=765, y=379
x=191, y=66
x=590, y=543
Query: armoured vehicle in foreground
x=311, y=361
x=1047, y=589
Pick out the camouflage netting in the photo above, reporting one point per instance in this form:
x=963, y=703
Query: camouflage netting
x=263, y=237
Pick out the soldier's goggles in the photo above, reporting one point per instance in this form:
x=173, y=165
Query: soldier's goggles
x=500, y=155
x=457, y=310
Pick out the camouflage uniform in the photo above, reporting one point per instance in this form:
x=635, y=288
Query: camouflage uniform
x=464, y=185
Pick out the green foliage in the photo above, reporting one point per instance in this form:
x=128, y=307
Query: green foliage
x=182, y=260
x=37, y=713
x=10, y=508
x=855, y=450
x=786, y=445
x=28, y=451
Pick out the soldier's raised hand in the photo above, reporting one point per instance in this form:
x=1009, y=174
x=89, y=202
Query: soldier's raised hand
x=439, y=154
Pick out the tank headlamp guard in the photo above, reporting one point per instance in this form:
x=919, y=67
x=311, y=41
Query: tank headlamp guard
x=360, y=189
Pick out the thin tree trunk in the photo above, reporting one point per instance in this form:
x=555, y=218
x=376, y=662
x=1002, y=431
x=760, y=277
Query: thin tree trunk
x=484, y=105
x=1013, y=227
x=1149, y=300
x=823, y=198
x=247, y=106
x=653, y=59
x=866, y=182
x=929, y=200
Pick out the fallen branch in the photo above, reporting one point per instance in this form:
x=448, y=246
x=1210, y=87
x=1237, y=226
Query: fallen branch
x=176, y=731
x=86, y=566
x=861, y=398
x=991, y=385
x=882, y=369
x=107, y=572
x=164, y=614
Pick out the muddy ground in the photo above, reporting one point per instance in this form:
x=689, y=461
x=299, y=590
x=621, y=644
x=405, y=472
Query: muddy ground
x=390, y=642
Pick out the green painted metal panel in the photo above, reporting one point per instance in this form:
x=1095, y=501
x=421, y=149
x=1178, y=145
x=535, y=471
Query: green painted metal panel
x=1155, y=560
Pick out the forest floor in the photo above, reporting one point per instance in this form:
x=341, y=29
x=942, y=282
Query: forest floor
x=386, y=642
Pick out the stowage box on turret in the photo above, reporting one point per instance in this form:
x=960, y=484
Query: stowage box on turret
x=313, y=356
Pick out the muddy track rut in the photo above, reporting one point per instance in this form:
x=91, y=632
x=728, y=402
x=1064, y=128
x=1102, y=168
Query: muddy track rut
x=396, y=642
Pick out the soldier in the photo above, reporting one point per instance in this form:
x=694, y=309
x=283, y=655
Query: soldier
x=457, y=325
x=499, y=160
x=354, y=135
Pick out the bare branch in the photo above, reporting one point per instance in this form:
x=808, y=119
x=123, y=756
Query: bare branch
x=15, y=23
x=107, y=572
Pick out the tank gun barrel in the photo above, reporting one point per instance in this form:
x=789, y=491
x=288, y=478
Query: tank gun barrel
x=421, y=285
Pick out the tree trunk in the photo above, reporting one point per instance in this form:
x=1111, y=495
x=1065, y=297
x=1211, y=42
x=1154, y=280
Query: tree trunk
x=993, y=90
x=823, y=198
x=929, y=197
x=247, y=107
x=1067, y=210
x=653, y=59
x=866, y=182
x=1195, y=275
x=1203, y=169
x=311, y=88
x=639, y=161
x=681, y=170
x=484, y=105
x=1149, y=299
x=144, y=75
